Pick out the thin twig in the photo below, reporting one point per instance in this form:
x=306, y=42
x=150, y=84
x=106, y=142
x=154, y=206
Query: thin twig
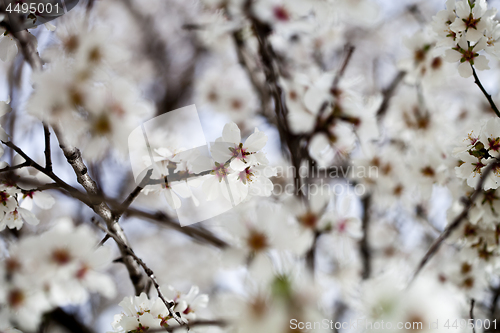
x=15, y=167
x=388, y=93
x=494, y=301
x=364, y=247
x=488, y=96
x=163, y=220
x=456, y=222
x=66, y=320
x=349, y=50
x=160, y=218
x=197, y=323
x=270, y=66
x=311, y=254
x=131, y=197
x=48, y=158
x=471, y=314
x=147, y=270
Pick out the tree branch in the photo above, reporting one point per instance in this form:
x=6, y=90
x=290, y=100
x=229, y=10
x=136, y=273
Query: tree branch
x=149, y=272
x=471, y=315
x=364, y=248
x=488, y=96
x=197, y=323
x=456, y=222
x=388, y=93
x=131, y=197
x=74, y=158
x=160, y=218
x=349, y=51
x=48, y=158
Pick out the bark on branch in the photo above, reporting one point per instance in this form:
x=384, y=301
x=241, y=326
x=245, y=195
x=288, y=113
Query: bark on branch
x=74, y=158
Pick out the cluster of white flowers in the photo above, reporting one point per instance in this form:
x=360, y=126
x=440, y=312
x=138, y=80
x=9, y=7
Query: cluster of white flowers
x=17, y=199
x=332, y=116
x=82, y=92
x=319, y=80
x=469, y=28
x=57, y=268
x=480, y=148
x=141, y=314
x=236, y=170
x=480, y=231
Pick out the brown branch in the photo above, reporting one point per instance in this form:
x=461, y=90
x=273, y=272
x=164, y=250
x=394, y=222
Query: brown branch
x=364, y=247
x=197, y=323
x=160, y=218
x=349, y=49
x=262, y=31
x=485, y=93
x=94, y=195
x=100, y=207
x=67, y=320
x=456, y=222
x=156, y=49
x=48, y=158
x=15, y=167
x=471, y=315
x=311, y=253
x=147, y=270
x=131, y=197
x=494, y=301
x=388, y=93
x=257, y=86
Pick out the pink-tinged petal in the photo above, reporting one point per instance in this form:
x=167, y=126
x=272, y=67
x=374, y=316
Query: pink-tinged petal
x=464, y=69
x=220, y=151
x=147, y=320
x=256, y=141
x=43, y=200
x=200, y=302
x=231, y=133
x=28, y=216
x=481, y=63
x=238, y=165
x=452, y=56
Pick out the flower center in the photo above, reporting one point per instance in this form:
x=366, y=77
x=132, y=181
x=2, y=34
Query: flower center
x=471, y=22
x=309, y=220
x=61, y=256
x=220, y=171
x=257, y=241
x=16, y=298
x=3, y=197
